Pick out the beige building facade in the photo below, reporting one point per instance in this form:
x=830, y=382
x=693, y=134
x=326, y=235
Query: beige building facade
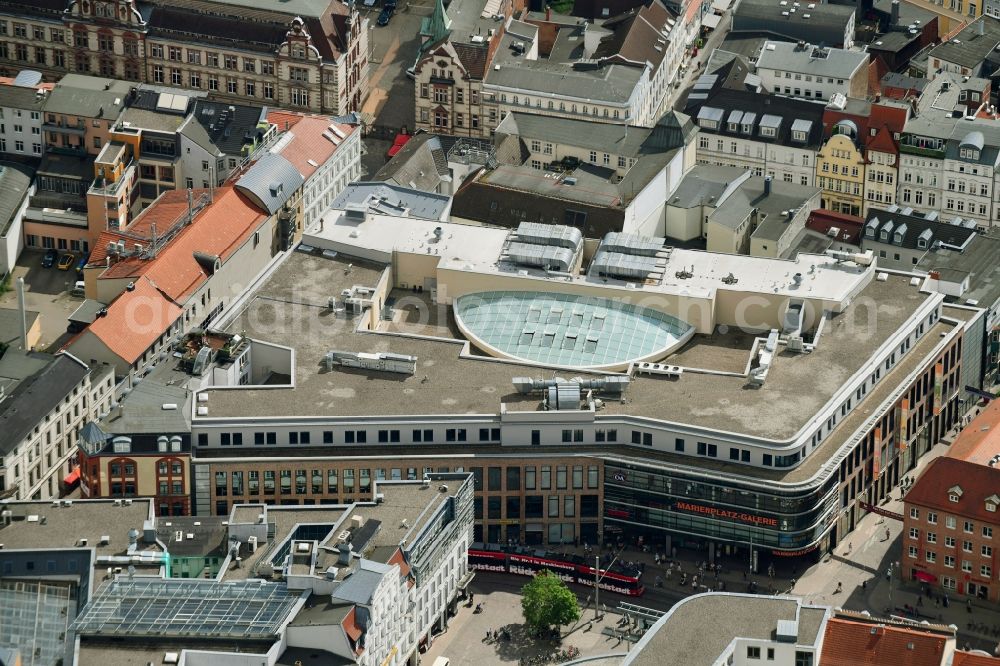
x=300, y=56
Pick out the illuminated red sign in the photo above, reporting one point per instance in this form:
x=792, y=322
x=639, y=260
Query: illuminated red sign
x=715, y=512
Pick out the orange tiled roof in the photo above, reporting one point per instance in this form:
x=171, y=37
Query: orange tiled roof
x=852, y=643
x=397, y=558
x=969, y=659
x=135, y=320
x=162, y=213
x=308, y=143
x=284, y=119
x=980, y=440
x=219, y=230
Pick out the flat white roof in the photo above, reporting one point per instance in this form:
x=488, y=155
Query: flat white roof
x=379, y=235
x=693, y=273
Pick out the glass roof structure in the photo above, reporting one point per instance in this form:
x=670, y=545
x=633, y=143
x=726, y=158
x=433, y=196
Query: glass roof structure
x=34, y=618
x=567, y=330
x=250, y=609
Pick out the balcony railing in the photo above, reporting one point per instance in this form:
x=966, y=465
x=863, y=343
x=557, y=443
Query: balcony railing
x=923, y=152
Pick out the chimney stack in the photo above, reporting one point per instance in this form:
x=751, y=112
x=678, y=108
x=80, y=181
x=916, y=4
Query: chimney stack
x=981, y=27
x=767, y=186
x=548, y=12
x=24, y=313
x=894, y=13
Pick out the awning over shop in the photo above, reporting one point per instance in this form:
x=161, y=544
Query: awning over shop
x=72, y=477
x=711, y=21
x=925, y=577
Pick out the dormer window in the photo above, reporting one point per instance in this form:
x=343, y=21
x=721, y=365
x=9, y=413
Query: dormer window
x=709, y=117
x=884, y=235
x=991, y=507
x=767, y=131
x=747, y=128
x=991, y=503
x=734, y=127
x=968, y=154
x=870, y=232
x=921, y=243
x=798, y=136
x=953, y=498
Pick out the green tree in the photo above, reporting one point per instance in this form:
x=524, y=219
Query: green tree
x=546, y=602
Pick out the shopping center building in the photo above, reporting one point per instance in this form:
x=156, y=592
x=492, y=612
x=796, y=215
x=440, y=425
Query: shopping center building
x=596, y=390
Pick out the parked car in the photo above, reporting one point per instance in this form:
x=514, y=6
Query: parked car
x=383, y=18
x=49, y=260
x=65, y=262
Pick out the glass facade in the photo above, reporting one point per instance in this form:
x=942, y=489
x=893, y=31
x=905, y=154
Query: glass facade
x=651, y=501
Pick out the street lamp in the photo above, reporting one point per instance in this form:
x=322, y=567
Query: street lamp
x=888, y=577
x=597, y=582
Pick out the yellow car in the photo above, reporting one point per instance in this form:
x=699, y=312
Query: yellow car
x=65, y=262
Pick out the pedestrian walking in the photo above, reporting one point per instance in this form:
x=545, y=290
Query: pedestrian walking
x=920, y=600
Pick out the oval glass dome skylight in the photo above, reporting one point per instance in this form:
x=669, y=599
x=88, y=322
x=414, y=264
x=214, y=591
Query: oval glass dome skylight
x=567, y=331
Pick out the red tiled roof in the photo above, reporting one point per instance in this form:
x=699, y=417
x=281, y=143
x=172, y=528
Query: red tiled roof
x=968, y=659
x=350, y=625
x=162, y=213
x=135, y=320
x=850, y=643
x=284, y=119
x=397, y=558
x=883, y=142
x=308, y=143
x=977, y=482
x=980, y=440
x=822, y=220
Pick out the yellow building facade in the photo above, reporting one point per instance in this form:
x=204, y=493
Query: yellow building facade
x=840, y=173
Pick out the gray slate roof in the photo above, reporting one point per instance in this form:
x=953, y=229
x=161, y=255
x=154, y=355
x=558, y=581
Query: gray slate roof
x=142, y=411
x=613, y=84
x=392, y=199
x=978, y=260
x=88, y=96
x=603, y=137
x=704, y=184
x=827, y=23
x=421, y=164
x=10, y=325
x=34, y=384
x=361, y=585
x=968, y=48
x=271, y=181
x=22, y=97
x=15, y=180
x=784, y=197
x=915, y=226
